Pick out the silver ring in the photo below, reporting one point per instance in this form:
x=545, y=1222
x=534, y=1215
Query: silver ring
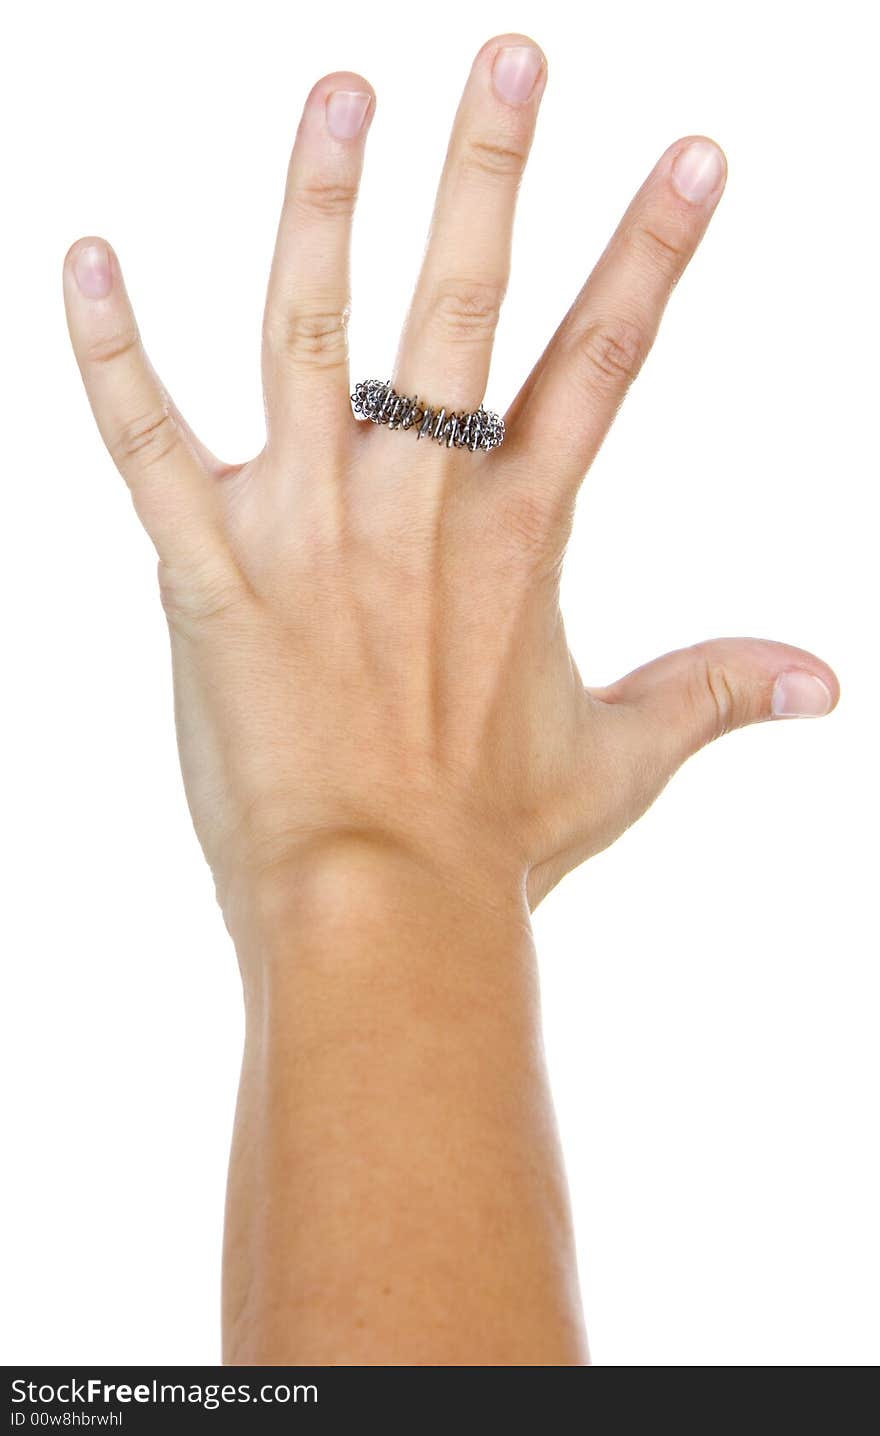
x=375, y=399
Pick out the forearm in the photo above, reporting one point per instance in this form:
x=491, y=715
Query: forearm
x=396, y=1193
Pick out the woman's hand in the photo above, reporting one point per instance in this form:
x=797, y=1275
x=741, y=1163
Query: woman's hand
x=388, y=750
x=367, y=644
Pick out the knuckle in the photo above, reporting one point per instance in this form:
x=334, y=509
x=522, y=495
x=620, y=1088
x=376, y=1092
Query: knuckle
x=106, y=348
x=325, y=199
x=716, y=693
x=663, y=252
x=310, y=336
x=611, y=352
x=146, y=440
x=491, y=159
x=467, y=309
x=202, y=592
x=536, y=524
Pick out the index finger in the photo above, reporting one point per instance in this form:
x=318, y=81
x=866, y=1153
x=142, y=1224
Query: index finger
x=567, y=404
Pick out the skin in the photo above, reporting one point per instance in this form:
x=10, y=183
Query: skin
x=388, y=752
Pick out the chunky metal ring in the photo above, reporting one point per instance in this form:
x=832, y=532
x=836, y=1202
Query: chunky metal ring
x=375, y=399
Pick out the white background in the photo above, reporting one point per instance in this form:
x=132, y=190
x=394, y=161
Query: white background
x=711, y=983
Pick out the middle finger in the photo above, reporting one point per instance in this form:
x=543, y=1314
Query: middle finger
x=446, y=346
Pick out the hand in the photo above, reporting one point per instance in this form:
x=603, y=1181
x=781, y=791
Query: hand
x=367, y=645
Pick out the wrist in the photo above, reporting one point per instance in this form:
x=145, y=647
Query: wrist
x=373, y=895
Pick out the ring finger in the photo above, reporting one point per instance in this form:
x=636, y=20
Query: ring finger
x=305, y=343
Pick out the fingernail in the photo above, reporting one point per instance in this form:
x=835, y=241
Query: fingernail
x=91, y=269
x=698, y=170
x=515, y=72
x=800, y=695
x=346, y=111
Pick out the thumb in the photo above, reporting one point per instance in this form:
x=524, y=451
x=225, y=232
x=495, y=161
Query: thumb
x=690, y=697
